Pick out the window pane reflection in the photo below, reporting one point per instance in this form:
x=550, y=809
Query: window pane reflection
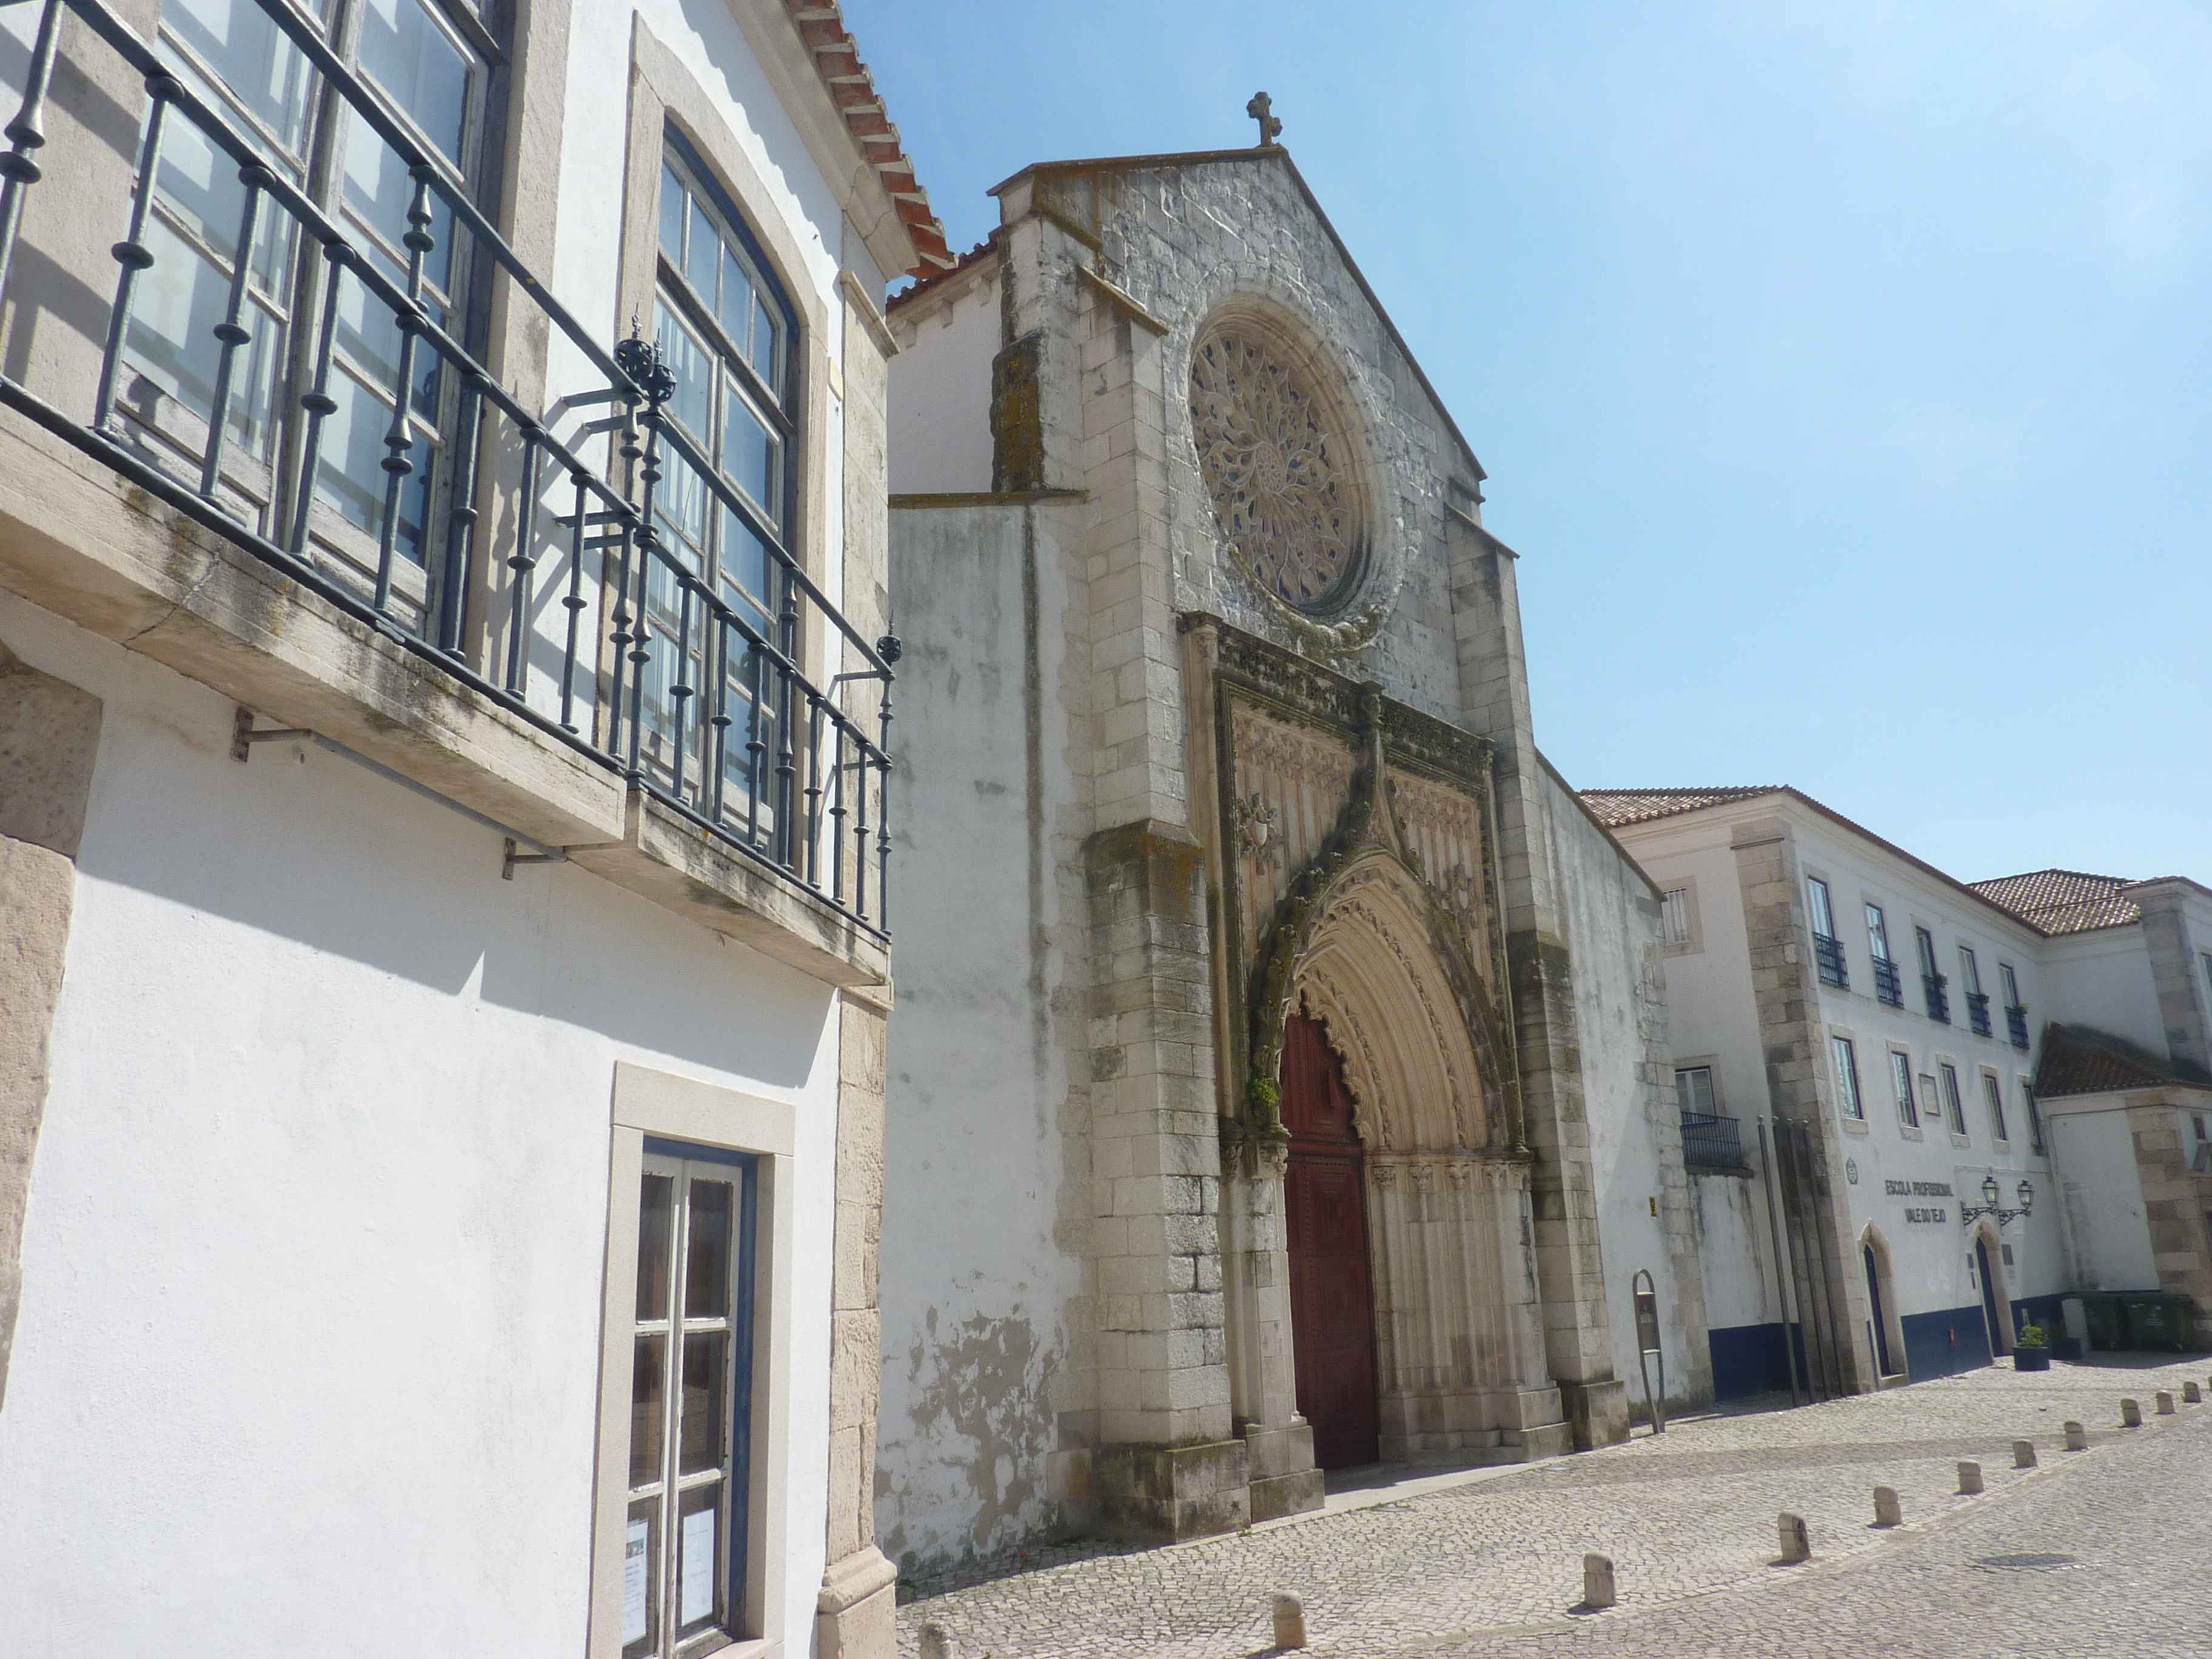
x=655, y=1214
x=647, y=1367
x=707, y=1263
x=706, y=1401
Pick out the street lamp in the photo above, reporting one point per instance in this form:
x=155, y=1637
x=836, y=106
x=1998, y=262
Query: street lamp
x=1991, y=1192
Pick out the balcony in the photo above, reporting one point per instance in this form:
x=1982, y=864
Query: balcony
x=510, y=614
x=1939, y=999
x=2016, y=1026
x=1711, y=1143
x=1888, y=983
x=1978, y=1012
x=1829, y=954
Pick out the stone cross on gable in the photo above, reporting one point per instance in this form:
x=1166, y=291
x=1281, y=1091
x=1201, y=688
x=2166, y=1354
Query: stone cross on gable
x=1270, y=127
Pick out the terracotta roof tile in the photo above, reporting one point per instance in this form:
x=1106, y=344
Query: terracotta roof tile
x=2078, y=1059
x=2063, y=901
x=846, y=78
x=1616, y=807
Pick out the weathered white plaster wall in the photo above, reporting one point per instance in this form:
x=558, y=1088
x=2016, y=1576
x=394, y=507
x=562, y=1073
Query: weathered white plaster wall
x=1736, y=1247
x=2103, y=980
x=310, y=1331
x=988, y=1037
x=1636, y=1155
x=2105, y=1222
x=940, y=440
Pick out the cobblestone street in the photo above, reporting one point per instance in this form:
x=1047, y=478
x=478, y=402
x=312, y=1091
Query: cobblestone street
x=1491, y=1561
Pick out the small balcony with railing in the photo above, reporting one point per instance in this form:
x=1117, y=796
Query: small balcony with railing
x=1978, y=1012
x=1712, y=1144
x=1936, y=988
x=1828, y=956
x=1888, y=983
x=2017, y=1024
x=305, y=437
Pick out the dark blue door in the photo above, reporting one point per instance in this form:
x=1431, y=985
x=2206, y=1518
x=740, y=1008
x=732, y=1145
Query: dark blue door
x=1881, y=1319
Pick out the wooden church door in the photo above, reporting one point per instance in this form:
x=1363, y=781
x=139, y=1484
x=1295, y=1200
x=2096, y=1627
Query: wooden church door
x=1332, y=1288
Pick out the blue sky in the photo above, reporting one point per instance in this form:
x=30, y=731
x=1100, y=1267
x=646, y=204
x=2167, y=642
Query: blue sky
x=1844, y=373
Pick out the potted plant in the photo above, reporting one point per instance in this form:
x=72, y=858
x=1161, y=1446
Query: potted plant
x=2031, y=1350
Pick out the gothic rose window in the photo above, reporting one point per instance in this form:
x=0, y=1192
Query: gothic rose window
x=1278, y=467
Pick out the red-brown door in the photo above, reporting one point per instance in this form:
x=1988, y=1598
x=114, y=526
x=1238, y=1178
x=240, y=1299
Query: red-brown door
x=1332, y=1294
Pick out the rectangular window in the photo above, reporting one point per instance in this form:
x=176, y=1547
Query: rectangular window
x=1993, y=1092
x=1877, y=934
x=1969, y=972
x=684, y=1542
x=1953, y=1105
x=1823, y=919
x=2034, y=1114
x=2205, y=957
x=2011, y=980
x=1889, y=984
x=1900, y=1077
x=1847, y=1078
x=1674, y=916
x=1932, y=981
x=1827, y=949
x=1694, y=1090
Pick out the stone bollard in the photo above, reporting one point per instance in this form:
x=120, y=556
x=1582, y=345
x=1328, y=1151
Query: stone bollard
x=2023, y=1453
x=1597, y=1582
x=936, y=1643
x=1290, y=1622
x=2130, y=1414
x=1796, y=1542
x=2191, y=1394
x=2163, y=1403
x=2077, y=1437
x=1970, y=1479
x=1888, y=1511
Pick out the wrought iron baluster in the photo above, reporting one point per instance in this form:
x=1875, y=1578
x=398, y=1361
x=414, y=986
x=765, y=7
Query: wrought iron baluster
x=837, y=810
x=461, y=517
x=884, y=801
x=813, y=786
x=573, y=604
x=131, y=252
x=230, y=331
x=786, y=772
x=640, y=360
x=680, y=692
x=755, y=748
x=319, y=402
x=620, y=638
x=27, y=135
x=522, y=562
x=860, y=837
x=398, y=437
x=721, y=717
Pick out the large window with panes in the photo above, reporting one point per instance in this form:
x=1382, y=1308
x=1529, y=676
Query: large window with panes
x=377, y=491
x=683, y=1536
x=728, y=332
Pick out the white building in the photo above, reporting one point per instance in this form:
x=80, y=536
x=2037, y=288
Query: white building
x=395, y=1257
x=1857, y=1038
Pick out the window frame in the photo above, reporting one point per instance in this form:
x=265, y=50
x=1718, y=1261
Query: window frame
x=1712, y=1086
x=2037, y=1145
x=1993, y=1100
x=648, y=1108
x=1953, y=1101
x=1851, y=1097
x=1908, y=1101
x=1694, y=930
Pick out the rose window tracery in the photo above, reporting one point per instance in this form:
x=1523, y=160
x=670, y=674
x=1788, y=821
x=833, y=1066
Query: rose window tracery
x=1278, y=467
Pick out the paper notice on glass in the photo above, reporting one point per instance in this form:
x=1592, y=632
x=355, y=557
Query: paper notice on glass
x=698, y=1593
x=634, y=1572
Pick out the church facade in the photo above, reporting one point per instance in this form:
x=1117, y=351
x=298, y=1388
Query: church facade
x=1281, y=1075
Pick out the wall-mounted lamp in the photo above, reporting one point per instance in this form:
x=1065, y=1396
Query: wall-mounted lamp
x=1991, y=1192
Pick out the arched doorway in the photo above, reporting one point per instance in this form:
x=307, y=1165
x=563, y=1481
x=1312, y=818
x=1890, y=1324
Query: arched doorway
x=1881, y=1304
x=1332, y=1284
x=1997, y=1300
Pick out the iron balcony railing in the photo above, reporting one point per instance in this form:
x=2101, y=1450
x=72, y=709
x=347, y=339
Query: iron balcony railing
x=1939, y=999
x=1829, y=954
x=1978, y=1012
x=711, y=712
x=1889, y=984
x=1711, y=1142
x=2016, y=1024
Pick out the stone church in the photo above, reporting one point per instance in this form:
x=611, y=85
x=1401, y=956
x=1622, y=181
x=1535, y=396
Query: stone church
x=1279, y=1077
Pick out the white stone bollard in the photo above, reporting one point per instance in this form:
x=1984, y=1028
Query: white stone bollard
x=2164, y=1403
x=2023, y=1453
x=2191, y=1394
x=1597, y=1582
x=2130, y=1414
x=2077, y=1437
x=1888, y=1511
x=1290, y=1622
x=936, y=1643
x=1970, y=1479
x=1796, y=1542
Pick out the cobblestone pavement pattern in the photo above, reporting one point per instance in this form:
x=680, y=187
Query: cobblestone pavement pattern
x=1494, y=1566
